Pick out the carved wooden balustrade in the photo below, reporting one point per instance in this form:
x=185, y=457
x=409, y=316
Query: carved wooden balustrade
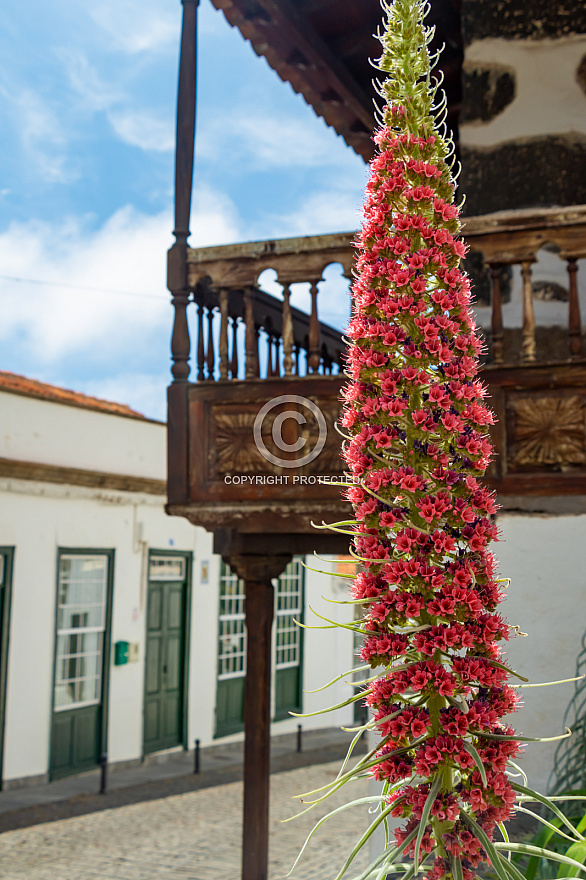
x=253, y=347
x=225, y=281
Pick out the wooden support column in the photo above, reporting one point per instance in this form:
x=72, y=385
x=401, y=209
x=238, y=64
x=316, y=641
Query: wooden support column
x=574, y=320
x=257, y=573
x=177, y=282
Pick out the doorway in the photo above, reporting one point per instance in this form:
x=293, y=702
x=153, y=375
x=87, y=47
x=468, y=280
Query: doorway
x=166, y=650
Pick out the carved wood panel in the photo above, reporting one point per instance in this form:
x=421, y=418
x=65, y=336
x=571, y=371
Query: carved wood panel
x=546, y=431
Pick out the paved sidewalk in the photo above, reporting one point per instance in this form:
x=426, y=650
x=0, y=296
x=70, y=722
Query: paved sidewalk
x=194, y=836
x=161, y=777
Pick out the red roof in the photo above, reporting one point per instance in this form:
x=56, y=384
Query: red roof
x=43, y=391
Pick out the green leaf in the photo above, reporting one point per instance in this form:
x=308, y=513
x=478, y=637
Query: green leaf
x=468, y=747
x=347, y=702
x=484, y=840
x=365, y=837
x=456, y=869
x=554, y=829
x=547, y=802
x=528, y=849
x=516, y=738
x=433, y=792
x=317, y=826
x=334, y=680
x=578, y=852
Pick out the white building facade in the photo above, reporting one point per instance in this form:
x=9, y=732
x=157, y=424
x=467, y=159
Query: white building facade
x=121, y=632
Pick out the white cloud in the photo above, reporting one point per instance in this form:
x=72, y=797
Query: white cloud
x=138, y=25
x=86, y=82
x=263, y=139
x=333, y=210
x=42, y=135
x=51, y=323
x=143, y=129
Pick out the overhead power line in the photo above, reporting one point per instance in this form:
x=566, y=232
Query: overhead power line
x=79, y=287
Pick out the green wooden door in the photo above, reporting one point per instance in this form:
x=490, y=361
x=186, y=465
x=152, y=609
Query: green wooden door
x=81, y=662
x=165, y=646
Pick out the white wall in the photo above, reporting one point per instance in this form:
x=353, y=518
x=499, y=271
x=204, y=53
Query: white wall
x=545, y=557
x=38, y=519
x=70, y=436
x=41, y=519
x=548, y=98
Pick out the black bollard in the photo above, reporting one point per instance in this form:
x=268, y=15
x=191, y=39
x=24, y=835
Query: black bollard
x=196, y=757
x=299, y=735
x=103, y=773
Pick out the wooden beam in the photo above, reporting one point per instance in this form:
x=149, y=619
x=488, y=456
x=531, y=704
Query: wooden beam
x=49, y=473
x=257, y=573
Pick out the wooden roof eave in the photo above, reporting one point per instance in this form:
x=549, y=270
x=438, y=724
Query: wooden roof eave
x=299, y=56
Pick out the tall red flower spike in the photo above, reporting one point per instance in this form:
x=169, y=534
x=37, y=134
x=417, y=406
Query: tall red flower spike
x=417, y=446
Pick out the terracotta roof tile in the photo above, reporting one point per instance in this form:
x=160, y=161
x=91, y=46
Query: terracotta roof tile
x=43, y=391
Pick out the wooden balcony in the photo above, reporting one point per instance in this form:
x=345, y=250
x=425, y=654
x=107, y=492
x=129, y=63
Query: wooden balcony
x=252, y=347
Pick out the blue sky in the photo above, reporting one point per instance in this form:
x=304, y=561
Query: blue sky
x=87, y=98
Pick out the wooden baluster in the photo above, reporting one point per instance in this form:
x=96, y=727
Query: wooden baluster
x=295, y=360
x=211, y=355
x=497, y=314
x=287, y=332
x=224, y=297
x=234, y=361
x=276, y=348
x=270, y=370
x=528, y=344
x=574, y=319
x=201, y=351
x=314, y=357
x=180, y=342
x=257, y=351
x=251, y=341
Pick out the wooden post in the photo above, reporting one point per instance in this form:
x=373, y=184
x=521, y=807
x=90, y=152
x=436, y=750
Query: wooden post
x=251, y=347
x=177, y=257
x=201, y=345
x=314, y=357
x=528, y=345
x=574, y=320
x=211, y=355
x=288, y=337
x=257, y=573
x=497, y=314
x=224, y=295
x=177, y=280
x=234, y=361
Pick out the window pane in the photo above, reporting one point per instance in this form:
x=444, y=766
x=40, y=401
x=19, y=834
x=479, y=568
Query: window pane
x=81, y=617
x=166, y=568
x=232, y=630
x=289, y=597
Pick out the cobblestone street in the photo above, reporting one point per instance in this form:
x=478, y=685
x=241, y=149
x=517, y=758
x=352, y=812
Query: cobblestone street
x=193, y=836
